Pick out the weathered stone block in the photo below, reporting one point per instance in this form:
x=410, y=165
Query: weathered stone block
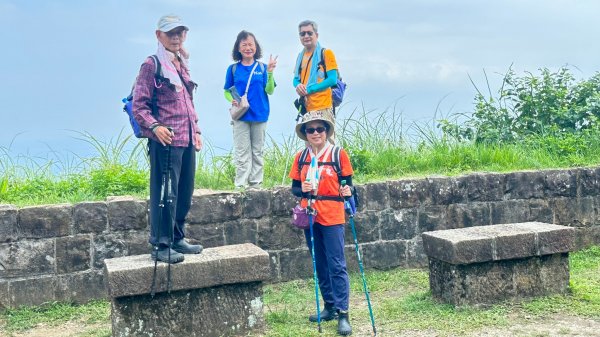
x=90, y=217
x=376, y=196
x=125, y=213
x=588, y=181
x=351, y=257
x=73, y=253
x=483, y=186
x=278, y=233
x=275, y=267
x=577, y=212
x=498, y=242
x=242, y=231
x=119, y=244
x=445, y=190
x=228, y=310
x=209, y=235
x=384, y=255
x=215, y=207
x=282, y=201
x=361, y=191
x=132, y=275
x=81, y=287
x=48, y=221
x=554, y=239
x=489, y=264
x=4, y=296
x=257, y=203
x=514, y=211
x=525, y=185
x=416, y=257
x=561, y=183
x=399, y=224
x=8, y=222
x=432, y=218
x=469, y=215
x=32, y=291
x=366, y=225
x=27, y=258
x=409, y=193
x=295, y=264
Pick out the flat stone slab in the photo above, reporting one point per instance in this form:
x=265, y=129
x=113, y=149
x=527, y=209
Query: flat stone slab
x=132, y=275
x=498, y=242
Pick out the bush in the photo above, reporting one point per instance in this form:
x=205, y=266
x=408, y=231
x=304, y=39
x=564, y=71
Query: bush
x=548, y=104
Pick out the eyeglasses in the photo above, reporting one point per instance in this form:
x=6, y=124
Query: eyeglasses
x=172, y=33
x=302, y=33
x=310, y=131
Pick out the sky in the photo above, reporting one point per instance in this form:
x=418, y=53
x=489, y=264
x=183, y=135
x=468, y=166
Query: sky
x=66, y=65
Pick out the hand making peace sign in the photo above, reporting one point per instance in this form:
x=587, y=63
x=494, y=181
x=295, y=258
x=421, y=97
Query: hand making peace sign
x=272, y=63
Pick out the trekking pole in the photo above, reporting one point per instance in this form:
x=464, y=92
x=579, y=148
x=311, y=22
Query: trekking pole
x=165, y=199
x=168, y=195
x=311, y=213
x=350, y=212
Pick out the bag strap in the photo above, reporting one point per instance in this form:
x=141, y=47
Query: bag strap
x=250, y=78
x=335, y=160
x=157, y=81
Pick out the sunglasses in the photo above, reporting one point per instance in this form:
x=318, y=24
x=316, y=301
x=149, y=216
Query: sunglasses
x=306, y=32
x=310, y=131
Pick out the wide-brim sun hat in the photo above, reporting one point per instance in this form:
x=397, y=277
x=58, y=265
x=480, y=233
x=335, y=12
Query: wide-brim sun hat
x=319, y=115
x=169, y=22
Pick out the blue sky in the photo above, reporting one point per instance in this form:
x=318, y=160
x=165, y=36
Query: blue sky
x=66, y=64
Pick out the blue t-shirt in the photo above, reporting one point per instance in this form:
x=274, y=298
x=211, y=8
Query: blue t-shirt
x=257, y=97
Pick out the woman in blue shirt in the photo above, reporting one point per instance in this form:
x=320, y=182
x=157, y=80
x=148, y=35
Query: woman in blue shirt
x=249, y=129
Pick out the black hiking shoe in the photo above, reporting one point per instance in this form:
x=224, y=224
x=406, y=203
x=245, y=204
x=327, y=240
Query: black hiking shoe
x=183, y=247
x=327, y=314
x=163, y=255
x=344, y=327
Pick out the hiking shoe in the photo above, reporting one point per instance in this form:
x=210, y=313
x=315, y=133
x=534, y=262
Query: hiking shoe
x=162, y=254
x=183, y=247
x=327, y=314
x=344, y=327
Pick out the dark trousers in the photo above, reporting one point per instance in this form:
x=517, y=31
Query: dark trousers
x=183, y=168
x=331, y=264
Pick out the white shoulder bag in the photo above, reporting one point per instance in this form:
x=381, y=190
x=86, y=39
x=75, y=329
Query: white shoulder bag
x=238, y=111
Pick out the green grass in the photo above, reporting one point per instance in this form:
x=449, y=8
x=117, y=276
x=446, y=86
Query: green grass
x=53, y=314
x=379, y=146
x=400, y=298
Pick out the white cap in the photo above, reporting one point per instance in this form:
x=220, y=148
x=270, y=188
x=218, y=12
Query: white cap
x=170, y=22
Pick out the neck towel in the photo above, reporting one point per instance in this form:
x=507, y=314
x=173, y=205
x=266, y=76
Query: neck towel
x=168, y=68
x=316, y=59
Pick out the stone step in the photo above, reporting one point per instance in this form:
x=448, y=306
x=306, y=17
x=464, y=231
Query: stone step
x=132, y=275
x=498, y=242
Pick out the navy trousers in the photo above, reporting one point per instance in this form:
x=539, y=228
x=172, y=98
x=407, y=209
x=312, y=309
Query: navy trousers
x=183, y=168
x=331, y=264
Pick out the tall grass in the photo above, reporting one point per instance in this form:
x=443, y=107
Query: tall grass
x=380, y=144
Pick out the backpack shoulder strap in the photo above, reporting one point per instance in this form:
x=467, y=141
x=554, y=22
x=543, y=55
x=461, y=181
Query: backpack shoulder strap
x=262, y=66
x=233, y=68
x=302, y=159
x=157, y=66
x=335, y=157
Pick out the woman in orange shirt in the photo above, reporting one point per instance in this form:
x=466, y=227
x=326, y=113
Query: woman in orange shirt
x=320, y=183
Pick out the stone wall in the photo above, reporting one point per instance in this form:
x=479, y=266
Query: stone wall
x=56, y=252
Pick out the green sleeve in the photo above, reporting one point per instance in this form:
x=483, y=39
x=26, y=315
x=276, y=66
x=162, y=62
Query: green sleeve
x=228, y=96
x=270, y=88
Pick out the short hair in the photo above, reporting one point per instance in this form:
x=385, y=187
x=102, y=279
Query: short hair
x=309, y=23
x=235, y=53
